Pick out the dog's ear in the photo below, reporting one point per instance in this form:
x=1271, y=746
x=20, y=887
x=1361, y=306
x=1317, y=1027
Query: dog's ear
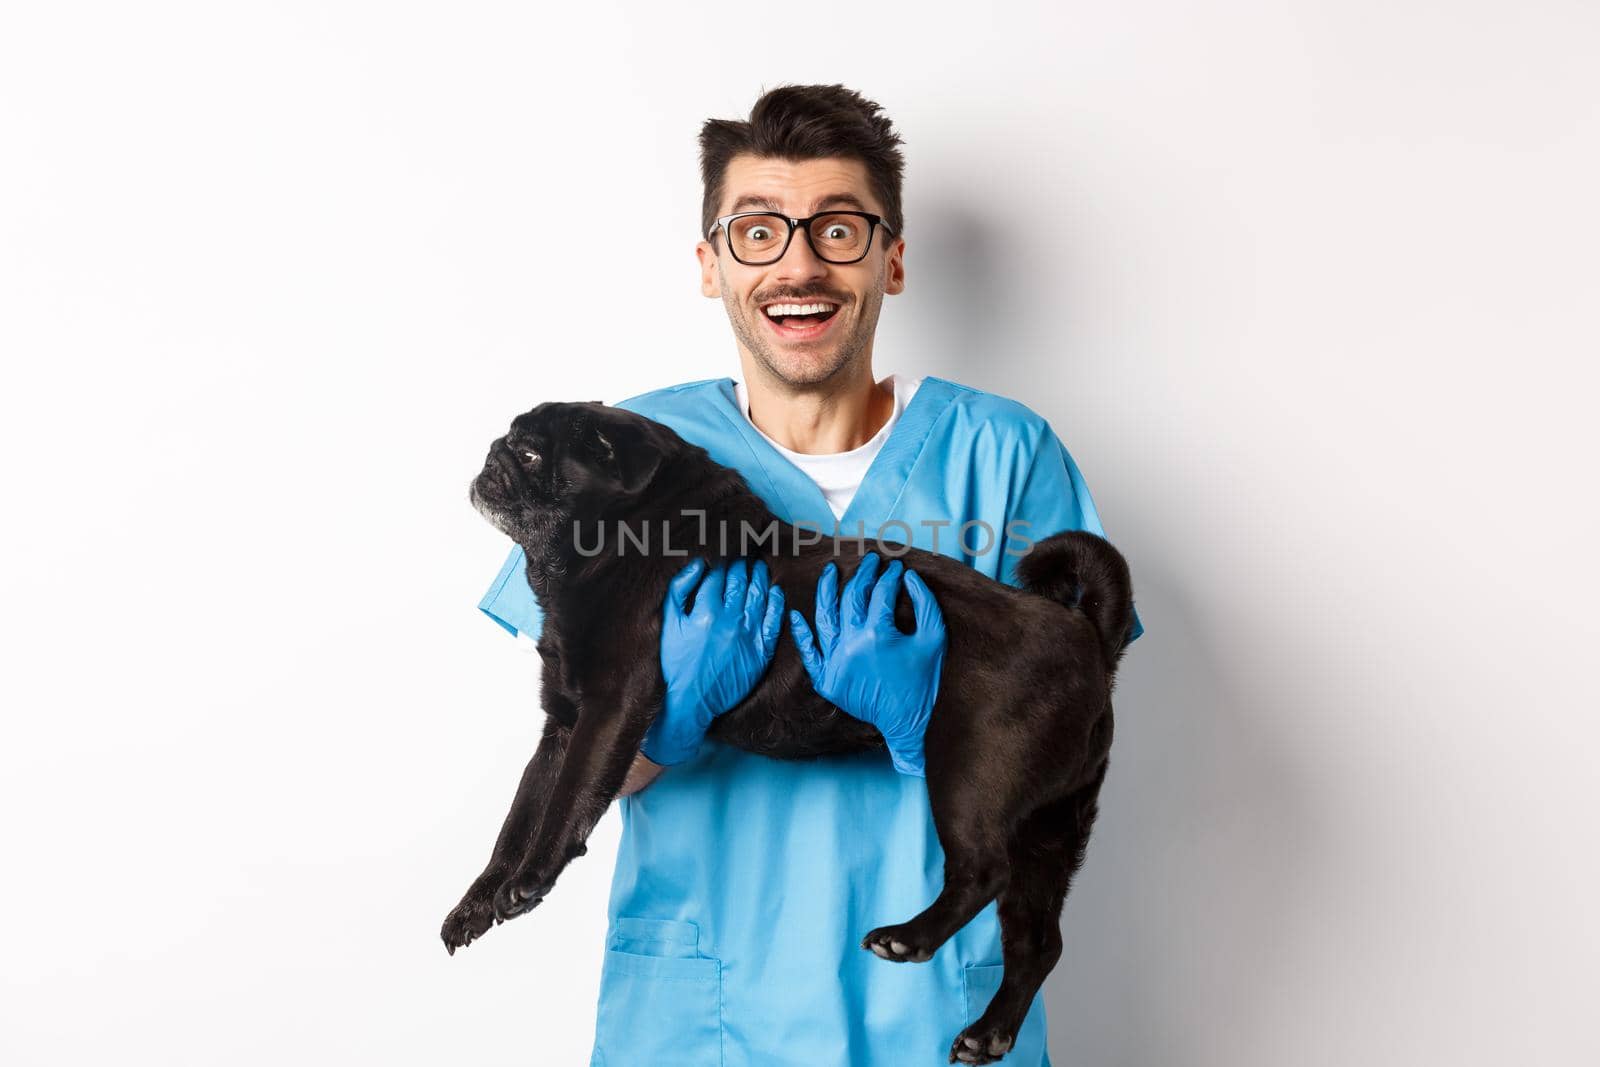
x=628, y=453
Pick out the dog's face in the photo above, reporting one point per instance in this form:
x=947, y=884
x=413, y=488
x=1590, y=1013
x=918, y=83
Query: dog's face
x=562, y=462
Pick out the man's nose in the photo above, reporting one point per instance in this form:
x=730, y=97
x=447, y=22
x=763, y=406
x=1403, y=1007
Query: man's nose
x=799, y=261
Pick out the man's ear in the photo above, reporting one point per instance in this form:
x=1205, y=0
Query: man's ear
x=629, y=454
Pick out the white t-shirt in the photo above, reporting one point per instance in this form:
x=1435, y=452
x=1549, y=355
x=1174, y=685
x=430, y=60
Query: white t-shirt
x=839, y=474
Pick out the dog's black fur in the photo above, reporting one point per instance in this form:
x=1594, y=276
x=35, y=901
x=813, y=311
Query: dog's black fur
x=1016, y=748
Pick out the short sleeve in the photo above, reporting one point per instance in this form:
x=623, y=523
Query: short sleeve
x=1055, y=497
x=510, y=602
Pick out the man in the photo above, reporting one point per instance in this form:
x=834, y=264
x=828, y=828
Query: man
x=743, y=885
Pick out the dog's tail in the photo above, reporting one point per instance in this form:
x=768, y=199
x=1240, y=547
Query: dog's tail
x=1082, y=571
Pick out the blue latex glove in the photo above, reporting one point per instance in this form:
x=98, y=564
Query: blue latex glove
x=712, y=656
x=865, y=665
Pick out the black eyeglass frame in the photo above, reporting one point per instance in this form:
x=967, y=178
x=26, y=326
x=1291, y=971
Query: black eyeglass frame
x=874, y=222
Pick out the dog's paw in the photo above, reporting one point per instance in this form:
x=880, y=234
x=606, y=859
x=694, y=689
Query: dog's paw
x=982, y=1044
x=467, y=922
x=518, y=894
x=898, y=944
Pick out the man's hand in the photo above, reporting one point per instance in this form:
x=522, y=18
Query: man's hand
x=864, y=664
x=712, y=656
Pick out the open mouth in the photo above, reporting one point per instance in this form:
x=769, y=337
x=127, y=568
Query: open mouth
x=804, y=326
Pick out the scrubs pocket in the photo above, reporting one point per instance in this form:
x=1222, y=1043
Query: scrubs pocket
x=660, y=1000
x=982, y=982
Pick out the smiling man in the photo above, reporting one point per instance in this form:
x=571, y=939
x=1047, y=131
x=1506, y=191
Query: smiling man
x=744, y=885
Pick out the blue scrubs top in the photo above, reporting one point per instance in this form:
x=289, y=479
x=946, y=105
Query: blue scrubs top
x=743, y=884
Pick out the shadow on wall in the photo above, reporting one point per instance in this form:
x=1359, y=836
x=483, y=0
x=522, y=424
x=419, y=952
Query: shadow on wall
x=1185, y=930
x=1181, y=932
x=958, y=278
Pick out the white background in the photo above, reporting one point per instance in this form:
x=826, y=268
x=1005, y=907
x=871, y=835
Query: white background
x=1307, y=288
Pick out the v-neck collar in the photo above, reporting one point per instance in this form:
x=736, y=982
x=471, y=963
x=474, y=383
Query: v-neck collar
x=792, y=490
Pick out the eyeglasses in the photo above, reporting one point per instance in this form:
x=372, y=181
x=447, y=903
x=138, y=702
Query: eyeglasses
x=757, y=238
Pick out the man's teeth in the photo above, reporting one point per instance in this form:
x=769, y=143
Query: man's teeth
x=775, y=310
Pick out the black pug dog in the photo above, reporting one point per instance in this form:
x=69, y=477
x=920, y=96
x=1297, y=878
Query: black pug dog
x=1018, y=741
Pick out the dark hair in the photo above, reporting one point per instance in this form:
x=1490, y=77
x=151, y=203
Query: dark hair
x=801, y=122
